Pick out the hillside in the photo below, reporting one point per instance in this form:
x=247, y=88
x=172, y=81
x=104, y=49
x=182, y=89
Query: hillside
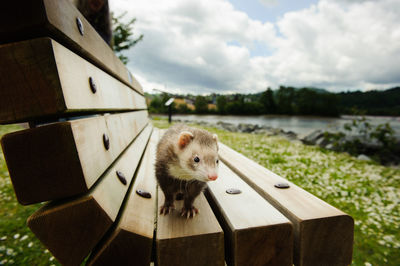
x=286, y=101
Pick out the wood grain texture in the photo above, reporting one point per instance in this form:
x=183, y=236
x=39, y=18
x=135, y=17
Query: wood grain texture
x=181, y=241
x=41, y=78
x=255, y=232
x=65, y=159
x=57, y=19
x=323, y=234
x=71, y=228
x=130, y=241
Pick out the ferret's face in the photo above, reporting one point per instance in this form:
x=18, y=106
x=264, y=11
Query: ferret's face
x=198, y=159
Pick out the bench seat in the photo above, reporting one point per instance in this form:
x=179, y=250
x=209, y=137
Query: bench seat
x=89, y=155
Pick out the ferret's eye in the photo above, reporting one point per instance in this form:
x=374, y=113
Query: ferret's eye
x=217, y=161
x=196, y=159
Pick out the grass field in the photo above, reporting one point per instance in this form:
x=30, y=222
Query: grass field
x=18, y=245
x=370, y=193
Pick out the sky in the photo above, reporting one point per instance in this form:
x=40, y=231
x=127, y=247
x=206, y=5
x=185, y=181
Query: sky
x=228, y=46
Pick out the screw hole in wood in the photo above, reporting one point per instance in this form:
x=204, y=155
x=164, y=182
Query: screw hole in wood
x=282, y=185
x=92, y=85
x=80, y=26
x=233, y=191
x=121, y=177
x=106, y=141
x=143, y=193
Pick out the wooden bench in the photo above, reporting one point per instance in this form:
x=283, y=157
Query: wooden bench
x=90, y=154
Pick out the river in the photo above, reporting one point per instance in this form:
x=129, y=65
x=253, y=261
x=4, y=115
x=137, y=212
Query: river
x=301, y=125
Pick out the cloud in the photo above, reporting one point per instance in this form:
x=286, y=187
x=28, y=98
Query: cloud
x=206, y=46
x=338, y=47
x=269, y=3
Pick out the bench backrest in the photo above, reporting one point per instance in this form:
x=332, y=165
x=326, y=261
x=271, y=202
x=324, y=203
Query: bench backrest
x=88, y=119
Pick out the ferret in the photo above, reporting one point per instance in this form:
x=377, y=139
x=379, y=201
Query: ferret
x=186, y=159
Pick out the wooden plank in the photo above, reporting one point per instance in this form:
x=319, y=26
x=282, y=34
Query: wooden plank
x=65, y=159
x=323, y=234
x=70, y=229
x=131, y=241
x=41, y=78
x=57, y=19
x=181, y=241
x=255, y=232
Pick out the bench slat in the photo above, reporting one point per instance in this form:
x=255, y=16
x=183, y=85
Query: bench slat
x=132, y=238
x=57, y=19
x=70, y=229
x=41, y=78
x=181, y=241
x=65, y=159
x=323, y=234
x=255, y=232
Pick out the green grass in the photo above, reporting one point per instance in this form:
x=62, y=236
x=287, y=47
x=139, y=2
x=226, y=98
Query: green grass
x=17, y=243
x=369, y=192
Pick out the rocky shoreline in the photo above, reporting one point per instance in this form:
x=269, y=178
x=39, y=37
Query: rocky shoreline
x=370, y=150
x=246, y=128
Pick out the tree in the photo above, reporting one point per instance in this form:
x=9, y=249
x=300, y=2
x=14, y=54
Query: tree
x=123, y=36
x=306, y=101
x=201, y=105
x=285, y=97
x=221, y=104
x=268, y=102
x=182, y=108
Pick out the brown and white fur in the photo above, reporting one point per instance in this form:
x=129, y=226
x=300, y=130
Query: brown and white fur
x=186, y=159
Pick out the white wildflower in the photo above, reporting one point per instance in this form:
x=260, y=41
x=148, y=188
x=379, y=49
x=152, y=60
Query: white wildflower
x=30, y=244
x=9, y=251
x=3, y=238
x=16, y=236
x=23, y=238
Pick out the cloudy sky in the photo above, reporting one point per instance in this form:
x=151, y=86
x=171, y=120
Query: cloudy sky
x=224, y=46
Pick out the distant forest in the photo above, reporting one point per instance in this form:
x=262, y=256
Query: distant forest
x=285, y=101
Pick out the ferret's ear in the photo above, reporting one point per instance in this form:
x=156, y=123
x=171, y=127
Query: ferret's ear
x=215, y=137
x=184, y=139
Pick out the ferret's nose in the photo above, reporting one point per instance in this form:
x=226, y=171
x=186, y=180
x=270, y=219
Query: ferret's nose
x=212, y=177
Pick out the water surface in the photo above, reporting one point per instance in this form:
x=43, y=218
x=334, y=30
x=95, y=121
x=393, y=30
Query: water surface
x=301, y=125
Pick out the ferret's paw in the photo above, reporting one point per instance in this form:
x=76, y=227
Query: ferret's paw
x=165, y=209
x=189, y=213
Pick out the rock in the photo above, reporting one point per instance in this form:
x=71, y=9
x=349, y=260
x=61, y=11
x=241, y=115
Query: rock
x=363, y=157
x=227, y=126
x=319, y=141
x=290, y=135
x=329, y=146
x=263, y=132
x=312, y=138
x=247, y=128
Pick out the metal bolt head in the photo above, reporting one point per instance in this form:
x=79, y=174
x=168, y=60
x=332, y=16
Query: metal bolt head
x=282, y=185
x=143, y=193
x=121, y=177
x=80, y=26
x=106, y=141
x=233, y=191
x=92, y=85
